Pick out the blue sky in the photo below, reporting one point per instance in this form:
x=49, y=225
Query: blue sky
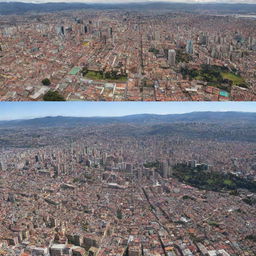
x=121, y=1
x=24, y=110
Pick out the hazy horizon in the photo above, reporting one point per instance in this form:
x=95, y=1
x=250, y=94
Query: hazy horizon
x=29, y=110
x=110, y=116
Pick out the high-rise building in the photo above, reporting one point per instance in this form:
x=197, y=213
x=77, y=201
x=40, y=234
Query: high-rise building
x=172, y=57
x=190, y=47
x=164, y=169
x=60, y=30
x=157, y=35
x=100, y=34
x=203, y=39
x=85, y=29
x=3, y=166
x=110, y=32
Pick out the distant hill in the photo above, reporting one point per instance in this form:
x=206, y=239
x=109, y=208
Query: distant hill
x=7, y=8
x=142, y=119
x=22, y=8
x=206, y=126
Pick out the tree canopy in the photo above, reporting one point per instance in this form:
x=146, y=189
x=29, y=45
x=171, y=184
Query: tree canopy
x=53, y=96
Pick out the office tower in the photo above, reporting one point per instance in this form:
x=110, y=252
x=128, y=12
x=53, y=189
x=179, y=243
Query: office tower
x=192, y=163
x=104, y=39
x=214, y=53
x=140, y=174
x=203, y=39
x=99, y=35
x=110, y=31
x=172, y=57
x=78, y=21
x=3, y=166
x=252, y=43
x=36, y=158
x=56, y=170
x=89, y=28
x=88, y=163
x=164, y=169
x=157, y=35
x=85, y=29
x=190, y=47
x=60, y=30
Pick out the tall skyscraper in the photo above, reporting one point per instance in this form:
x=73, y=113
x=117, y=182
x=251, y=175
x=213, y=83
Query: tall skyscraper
x=203, y=38
x=3, y=166
x=60, y=30
x=157, y=35
x=85, y=29
x=164, y=169
x=190, y=47
x=110, y=32
x=172, y=57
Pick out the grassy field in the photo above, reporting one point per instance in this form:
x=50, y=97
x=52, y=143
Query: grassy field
x=98, y=76
x=94, y=75
x=228, y=182
x=120, y=79
x=236, y=80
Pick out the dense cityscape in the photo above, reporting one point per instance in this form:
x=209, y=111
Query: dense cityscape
x=138, y=185
x=101, y=172
x=128, y=55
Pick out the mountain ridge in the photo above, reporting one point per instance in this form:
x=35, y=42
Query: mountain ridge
x=208, y=117
x=15, y=7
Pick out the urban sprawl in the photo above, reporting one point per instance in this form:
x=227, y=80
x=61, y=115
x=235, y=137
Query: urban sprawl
x=103, y=190
x=122, y=55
